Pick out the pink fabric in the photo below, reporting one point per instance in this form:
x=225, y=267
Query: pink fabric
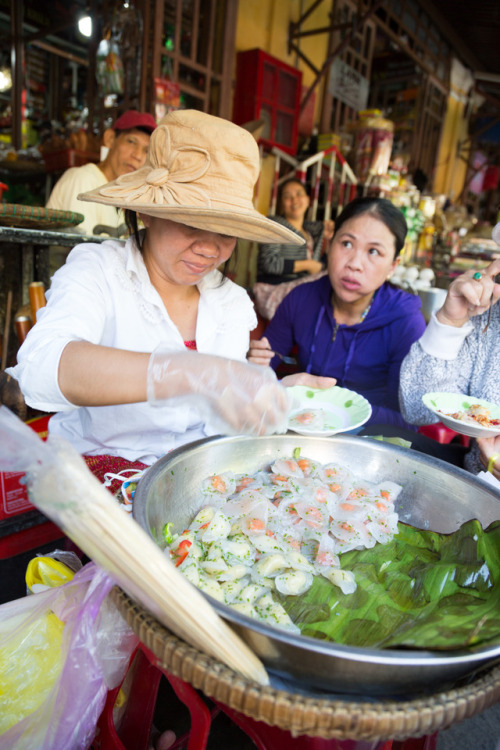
x=268, y=297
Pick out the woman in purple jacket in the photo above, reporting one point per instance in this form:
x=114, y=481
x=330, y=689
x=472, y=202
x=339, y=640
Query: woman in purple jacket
x=352, y=324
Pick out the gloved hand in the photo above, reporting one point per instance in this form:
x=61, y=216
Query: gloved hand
x=235, y=398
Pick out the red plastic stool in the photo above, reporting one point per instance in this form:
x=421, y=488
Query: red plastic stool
x=267, y=737
x=442, y=434
x=141, y=685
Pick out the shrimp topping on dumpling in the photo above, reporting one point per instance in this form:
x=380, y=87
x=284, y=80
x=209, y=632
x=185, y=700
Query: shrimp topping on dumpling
x=268, y=535
x=287, y=467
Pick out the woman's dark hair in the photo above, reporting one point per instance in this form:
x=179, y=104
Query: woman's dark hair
x=381, y=209
x=133, y=228
x=289, y=181
x=138, y=235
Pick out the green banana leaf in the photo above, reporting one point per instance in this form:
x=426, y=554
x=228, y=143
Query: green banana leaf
x=422, y=590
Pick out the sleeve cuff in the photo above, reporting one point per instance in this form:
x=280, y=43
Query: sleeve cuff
x=443, y=341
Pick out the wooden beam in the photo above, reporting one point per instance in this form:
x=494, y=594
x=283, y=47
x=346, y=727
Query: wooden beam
x=17, y=65
x=300, y=54
x=54, y=30
x=145, y=101
x=158, y=21
x=195, y=28
x=306, y=14
x=475, y=136
x=340, y=48
x=407, y=50
x=321, y=30
x=61, y=53
x=91, y=73
x=228, y=58
x=209, y=55
x=489, y=97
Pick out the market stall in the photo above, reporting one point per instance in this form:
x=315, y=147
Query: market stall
x=297, y=686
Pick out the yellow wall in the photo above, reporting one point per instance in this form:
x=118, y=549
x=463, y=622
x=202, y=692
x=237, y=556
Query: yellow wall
x=451, y=170
x=264, y=24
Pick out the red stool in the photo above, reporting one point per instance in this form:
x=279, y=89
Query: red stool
x=267, y=737
x=134, y=728
x=442, y=434
x=141, y=685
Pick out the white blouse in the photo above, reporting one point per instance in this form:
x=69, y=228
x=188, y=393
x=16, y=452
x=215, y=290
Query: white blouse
x=103, y=295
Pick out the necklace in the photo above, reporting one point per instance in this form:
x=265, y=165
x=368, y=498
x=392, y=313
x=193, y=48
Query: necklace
x=361, y=319
x=365, y=312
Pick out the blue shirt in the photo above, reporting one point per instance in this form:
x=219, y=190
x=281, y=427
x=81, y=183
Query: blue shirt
x=365, y=357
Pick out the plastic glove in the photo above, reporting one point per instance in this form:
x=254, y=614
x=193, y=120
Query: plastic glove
x=235, y=398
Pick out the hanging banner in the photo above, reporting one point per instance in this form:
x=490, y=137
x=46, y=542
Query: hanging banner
x=348, y=85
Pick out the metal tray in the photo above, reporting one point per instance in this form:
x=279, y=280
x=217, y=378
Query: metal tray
x=435, y=496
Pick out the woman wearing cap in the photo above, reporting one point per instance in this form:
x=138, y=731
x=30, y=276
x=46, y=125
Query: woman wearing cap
x=352, y=324
x=115, y=339
x=459, y=353
x=127, y=143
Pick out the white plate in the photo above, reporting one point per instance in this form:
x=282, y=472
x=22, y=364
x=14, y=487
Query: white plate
x=442, y=404
x=323, y=412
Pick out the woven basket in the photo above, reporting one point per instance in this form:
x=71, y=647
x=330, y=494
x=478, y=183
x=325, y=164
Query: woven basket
x=354, y=719
x=37, y=217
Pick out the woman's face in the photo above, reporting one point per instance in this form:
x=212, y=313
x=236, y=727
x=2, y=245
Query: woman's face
x=361, y=258
x=182, y=255
x=294, y=201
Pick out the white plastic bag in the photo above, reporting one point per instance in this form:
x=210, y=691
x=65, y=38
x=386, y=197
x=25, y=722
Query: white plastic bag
x=60, y=652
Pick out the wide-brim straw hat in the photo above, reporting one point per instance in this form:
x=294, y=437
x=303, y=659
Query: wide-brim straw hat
x=200, y=171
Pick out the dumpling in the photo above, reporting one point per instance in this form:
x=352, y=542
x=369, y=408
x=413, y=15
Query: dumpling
x=293, y=582
x=273, y=613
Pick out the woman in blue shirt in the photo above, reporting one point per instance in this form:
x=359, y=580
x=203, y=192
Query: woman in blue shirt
x=353, y=325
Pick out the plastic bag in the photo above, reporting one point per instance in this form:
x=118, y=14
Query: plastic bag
x=51, y=570
x=60, y=653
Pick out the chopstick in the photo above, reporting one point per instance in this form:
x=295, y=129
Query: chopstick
x=489, y=315
x=63, y=488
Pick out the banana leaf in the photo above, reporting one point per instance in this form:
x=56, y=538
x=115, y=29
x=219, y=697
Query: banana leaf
x=422, y=590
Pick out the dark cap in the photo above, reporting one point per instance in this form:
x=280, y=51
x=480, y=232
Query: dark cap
x=134, y=119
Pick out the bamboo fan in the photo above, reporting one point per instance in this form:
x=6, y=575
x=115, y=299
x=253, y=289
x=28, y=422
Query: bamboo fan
x=63, y=488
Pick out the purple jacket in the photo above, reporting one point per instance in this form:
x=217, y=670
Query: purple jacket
x=365, y=357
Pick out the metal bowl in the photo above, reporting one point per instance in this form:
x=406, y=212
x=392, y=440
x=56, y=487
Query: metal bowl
x=432, y=300
x=435, y=496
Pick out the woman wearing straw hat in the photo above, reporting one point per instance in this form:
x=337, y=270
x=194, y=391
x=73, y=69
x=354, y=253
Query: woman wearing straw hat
x=115, y=338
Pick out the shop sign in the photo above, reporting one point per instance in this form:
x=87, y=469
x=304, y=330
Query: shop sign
x=348, y=85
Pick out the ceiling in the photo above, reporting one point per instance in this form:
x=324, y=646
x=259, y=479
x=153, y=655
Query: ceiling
x=474, y=31
x=476, y=26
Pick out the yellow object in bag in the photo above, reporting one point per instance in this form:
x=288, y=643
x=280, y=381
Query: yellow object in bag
x=45, y=572
x=30, y=661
